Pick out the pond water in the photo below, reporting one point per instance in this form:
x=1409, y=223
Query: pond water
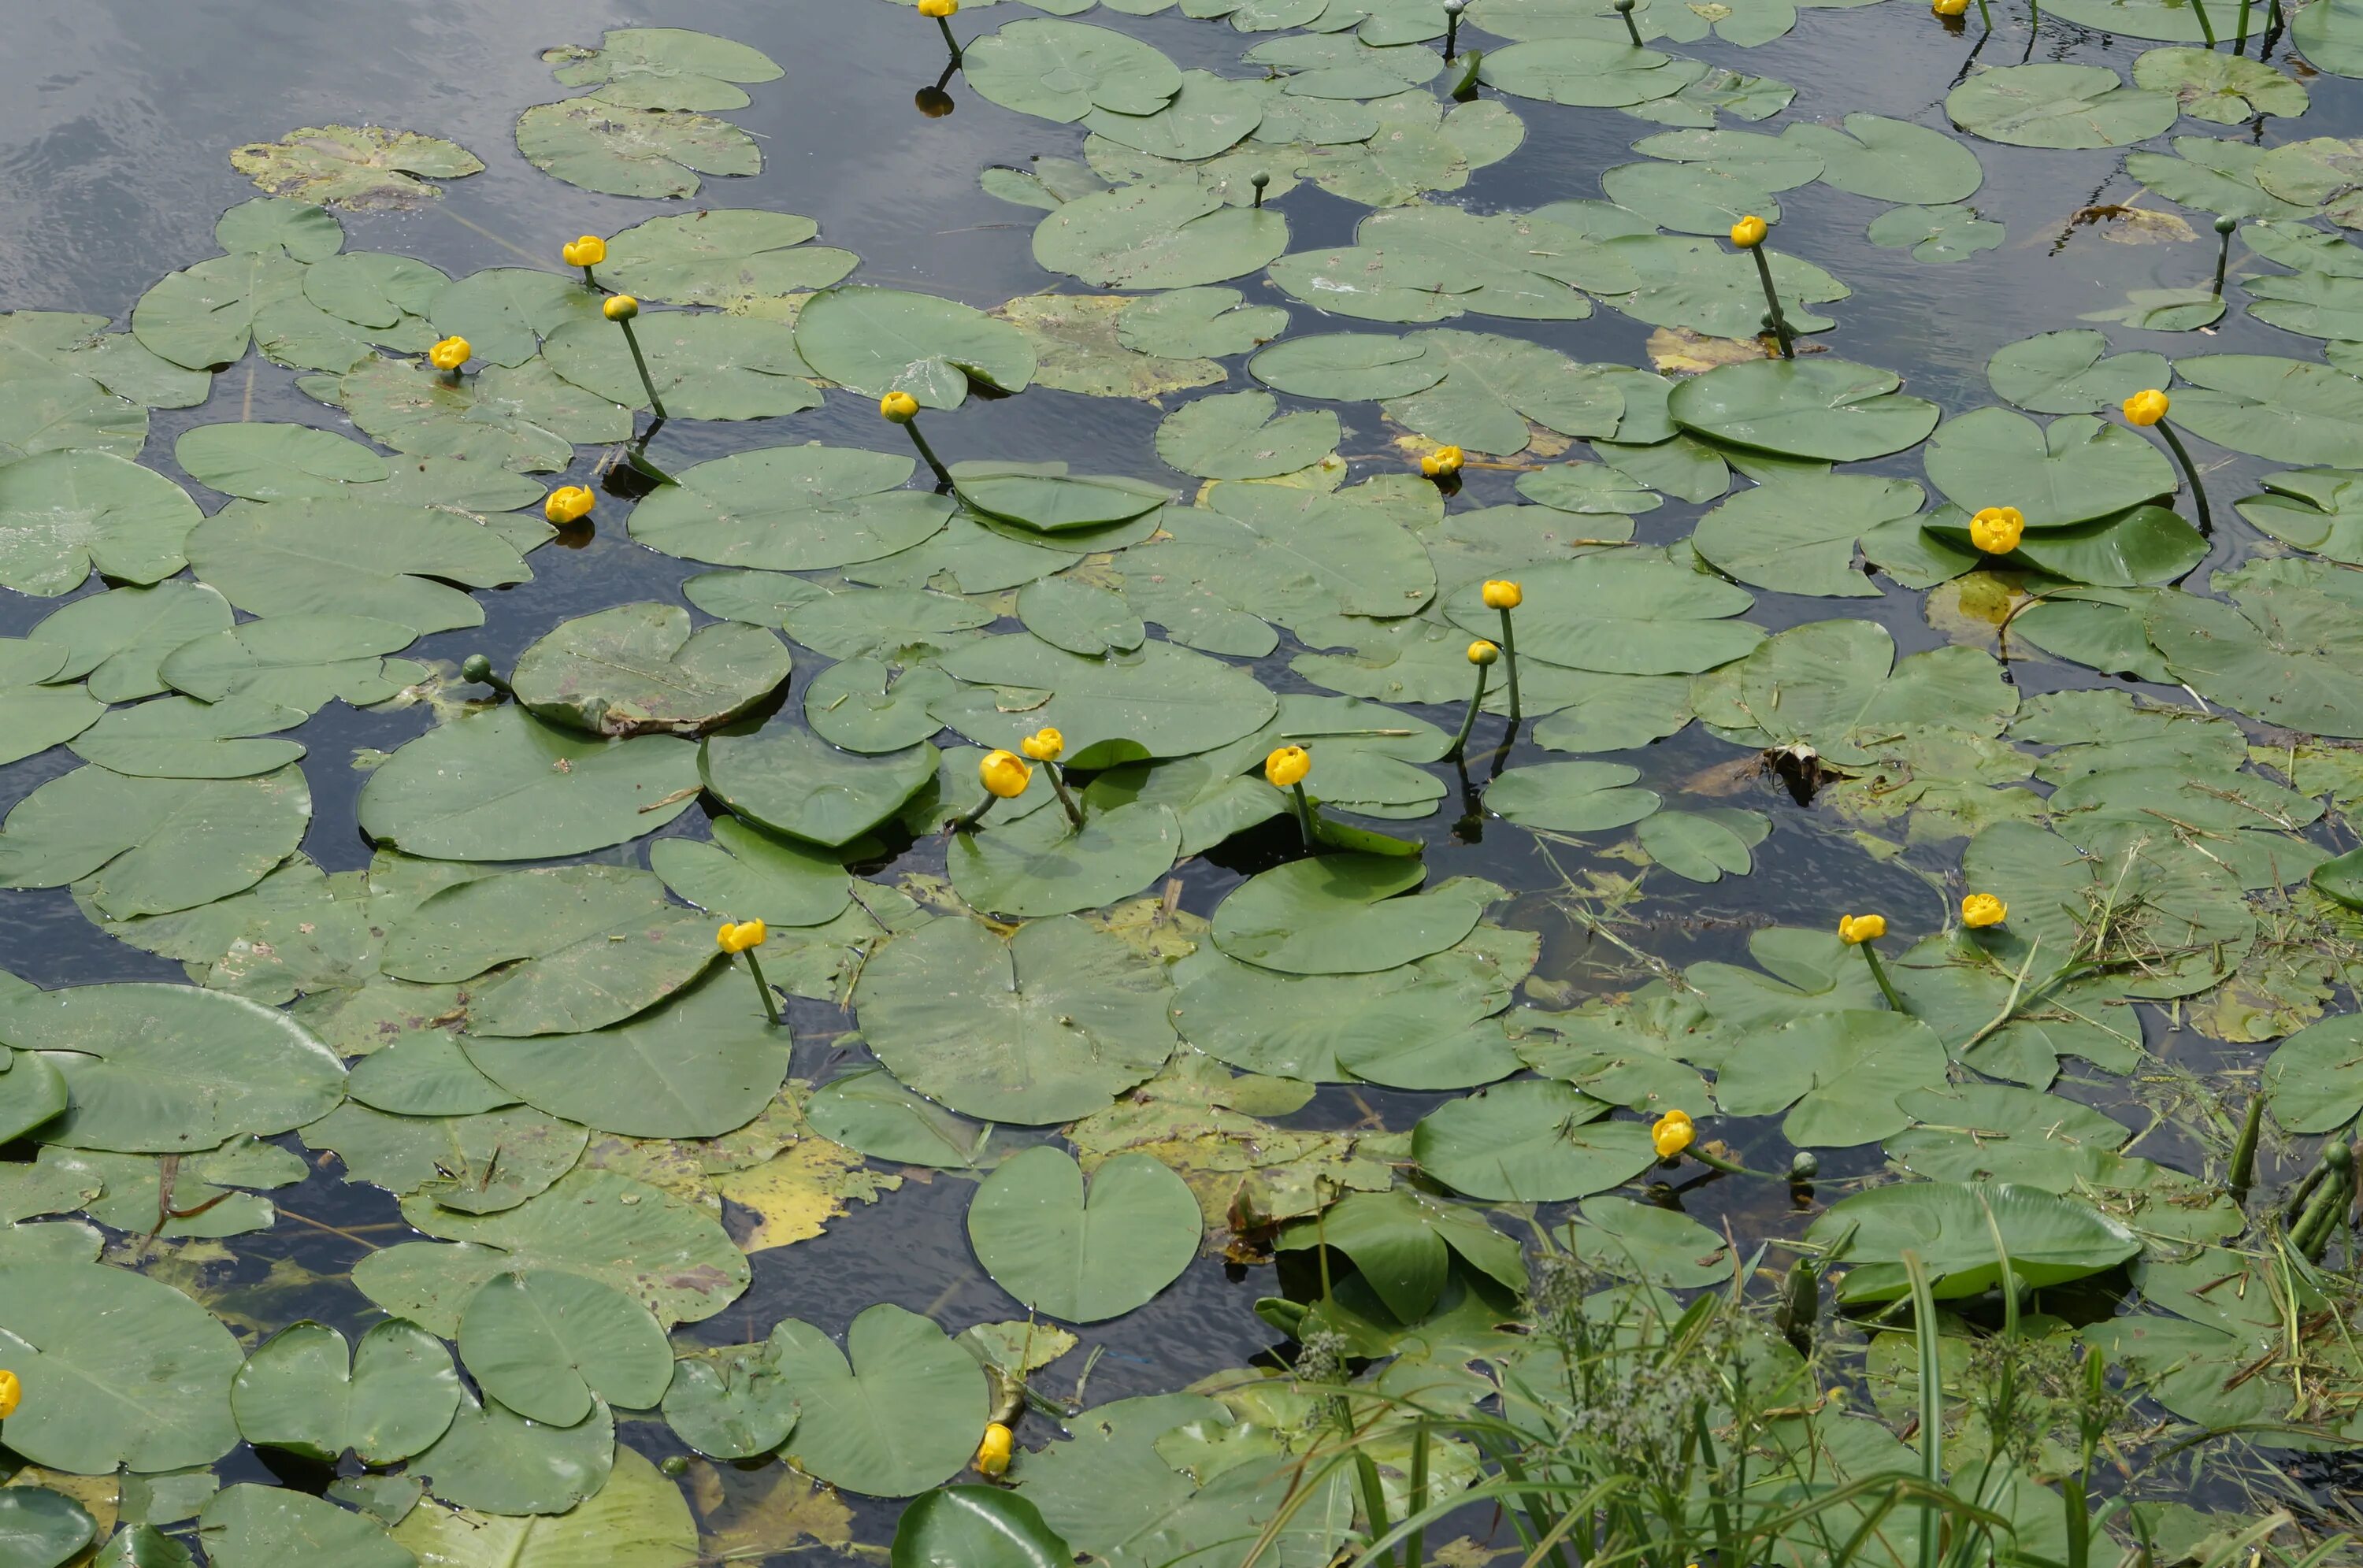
x=117, y=127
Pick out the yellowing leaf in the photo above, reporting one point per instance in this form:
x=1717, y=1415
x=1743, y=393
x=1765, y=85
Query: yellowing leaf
x=799, y=1191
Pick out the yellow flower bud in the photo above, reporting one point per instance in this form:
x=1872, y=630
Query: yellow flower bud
x=2146, y=407
x=939, y=10
x=1005, y=773
x=1482, y=652
x=1443, y=462
x=1950, y=8
x=1856, y=929
x=1996, y=529
x=899, y=406
x=1672, y=1133
x=1503, y=594
x=568, y=503
x=1287, y=766
x=1749, y=232
x=993, y=1453
x=1981, y=909
x=12, y=1394
x=736, y=937
x=1045, y=744
x=620, y=307
x=449, y=353
x=587, y=251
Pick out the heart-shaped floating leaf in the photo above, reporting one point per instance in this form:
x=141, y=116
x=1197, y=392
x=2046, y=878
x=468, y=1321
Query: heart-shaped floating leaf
x=980, y=1527
x=1172, y=234
x=1047, y=498
x=303, y=662
x=746, y=874
x=115, y=640
x=721, y=257
x=1537, y=1141
x=1621, y=611
x=1340, y=914
x=1570, y=797
x=1082, y=1258
x=504, y=786
x=1816, y=407
x=637, y=1518
x=1041, y=1026
x=64, y=514
x=2066, y=372
x=153, y=846
x=1953, y=1226
x=874, y=341
x=2053, y=104
x=632, y=152
x=1040, y=865
x=2076, y=469
x=305, y=1390
x=790, y=781
x=664, y=68
x=892, y=1414
x=791, y=509
x=545, y=1342
x=1062, y=71
x=638, y=670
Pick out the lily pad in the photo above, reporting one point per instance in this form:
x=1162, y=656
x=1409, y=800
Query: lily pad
x=1235, y=436
x=1570, y=797
x=1819, y=408
x=1040, y=865
x=1156, y=700
x=2066, y=372
x=1799, y=533
x=358, y=167
x=1157, y=236
x=721, y=257
x=153, y=846
x=893, y=1413
x=601, y=146
x=791, y=509
x=2076, y=469
x=705, y=366
x=546, y=1344
x=174, y=737
x=1952, y=1225
x=746, y=874
x=1891, y=160
x=1535, y=1141
x=1082, y=1259
x=115, y=640
x=63, y=514
x=527, y=418
x=306, y=1391
x=2223, y=89
x=303, y=662
x=276, y=462
x=638, y=670
x=504, y=786
x=1339, y=914
x=1041, y=1026
x=637, y=1520
x=1626, y=612
x=2058, y=106
x=664, y=68
x=874, y=341
x=789, y=781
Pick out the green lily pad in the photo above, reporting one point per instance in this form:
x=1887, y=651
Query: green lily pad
x=174, y=737
x=118, y=1370
x=2291, y=411
x=307, y=1391
x=1570, y=797
x=2275, y=653
x=1838, y=685
x=546, y=1343
x=1082, y=1259
x=527, y=418
x=114, y=641
x=637, y=1520
x=153, y=846
x=2066, y=372
x=601, y=146
x=276, y=462
x=1535, y=1141
x=789, y=781
x=638, y=670
x=2223, y=89
x=495, y=1460
x=1891, y=160
x=63, y=514
x=297, y=557
x=503, y=786
x=1952, y=1225
x=1338, y=914
x=41, y=1528
x=705, y=366
x=250, y=1524
x=1045, y=498
x=874, y=341
x=722, y=257
x=303, y=662
x=745, y=874
x=374, y=288
x=1040, y=865
x=1212, y=323
x=1623, y=612
x=791, y=509
x=1837, y=1075
x=505, y=312
x=892, y=1414
x=867, y=1111
x=976, y=1527
x=1799, y=534
x=1040, y=1026
x=480, y=1163
x=1063, y=70
x=1208, y=115
x=1235, y=436
x=2076, y=470
x=1590, y=73
x=1156, y=700
x=1817, y=408
x=1935, y=234
x=358, y=167
x=2052, y=105
x=1157, y=236
x=1305, y=1026
x=1704, y=846
x=664, y=68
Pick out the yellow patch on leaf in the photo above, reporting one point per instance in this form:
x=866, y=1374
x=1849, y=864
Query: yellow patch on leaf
x=796, y=1192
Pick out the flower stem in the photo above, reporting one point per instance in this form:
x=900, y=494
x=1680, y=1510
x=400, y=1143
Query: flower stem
x=1879, y=973
x=648, y=382
x=2191, y=472
x=1510, y=663
x=763, y=989
x=951, y=42
x=2206, y=28
x=1303, y=813
x=588, y=281
x=1772, y=304
x=943, y=474
x=2224, y=249
x=968, y=822
x=2244, y=1153
x=1985, y=15
x=1058, y=782
x=1469, y=719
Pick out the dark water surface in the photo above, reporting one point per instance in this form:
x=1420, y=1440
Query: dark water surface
x=116, y=117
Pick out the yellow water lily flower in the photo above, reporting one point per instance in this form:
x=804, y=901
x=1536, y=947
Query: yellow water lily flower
x=1749, y=232
x=12, y=1394
x=620, y=307
x=1672, y=1133
x=2146, y=407
x=568, y=503
x=1503, y=594
x=1996, y=529
x=1856, y=929
x=1482, y=652
x=736, y=937
x=1287, y=766
x=587, y=251
x=899, y=406
x=449, y=353
x=939, y=10
x=1045, y=744
x=1443, y=462
x=993, y=1453
x=1981, y=909
x=1005, y=773
x=1950, y=8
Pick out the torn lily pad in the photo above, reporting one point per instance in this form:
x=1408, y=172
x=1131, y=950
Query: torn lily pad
x=605, y=146
x=356, y=167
